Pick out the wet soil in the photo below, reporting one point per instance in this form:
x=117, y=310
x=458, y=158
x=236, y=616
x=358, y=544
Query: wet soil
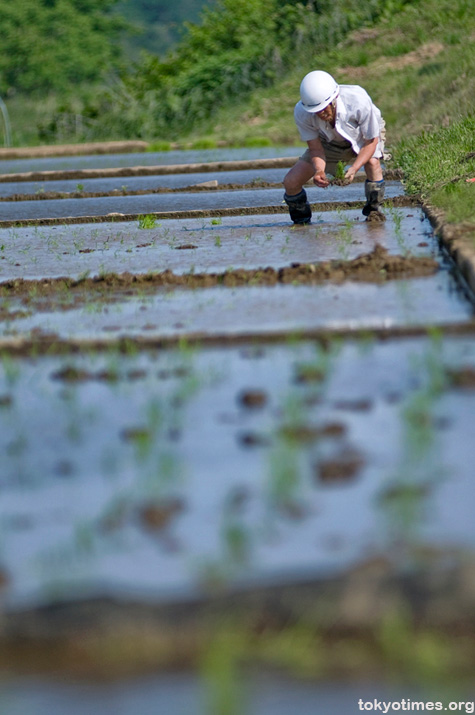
x=305, y=433
x=463, y=378
x=375, y=267
x=376, y=217
x=131, y=483
x=396, y=202
x=252, y=398
x=173, y=201
x=54, y=195
x=103, y=520
x=147, y=170
x=88, y=148
x=249, y=242
x=45, y=195
x=345, y=467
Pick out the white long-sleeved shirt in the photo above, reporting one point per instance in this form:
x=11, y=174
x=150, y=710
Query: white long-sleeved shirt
x=357, y=120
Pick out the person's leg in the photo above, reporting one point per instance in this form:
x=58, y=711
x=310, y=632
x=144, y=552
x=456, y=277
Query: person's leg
x=295, y=195
x=298, y=175
x=374, y=187
x=373, y=170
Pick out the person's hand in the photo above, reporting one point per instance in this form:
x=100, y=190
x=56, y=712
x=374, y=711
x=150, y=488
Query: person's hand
x=321, y=180
x=350, y=175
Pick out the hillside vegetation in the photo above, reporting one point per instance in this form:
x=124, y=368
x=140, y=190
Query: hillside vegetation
x=241, y=46
x=53, y=44
x=158, y=23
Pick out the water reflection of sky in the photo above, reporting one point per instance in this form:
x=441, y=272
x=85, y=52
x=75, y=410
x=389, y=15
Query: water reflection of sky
x=102, y=161
x=69, y=470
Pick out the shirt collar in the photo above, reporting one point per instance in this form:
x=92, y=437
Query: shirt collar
x=340, y=109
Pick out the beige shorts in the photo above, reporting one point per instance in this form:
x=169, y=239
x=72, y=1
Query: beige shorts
x=333, y=154
x=336, y=152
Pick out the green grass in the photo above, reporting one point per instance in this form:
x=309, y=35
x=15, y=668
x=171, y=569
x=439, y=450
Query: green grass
x=416, y=65
x=437, y=165
x=148, y=221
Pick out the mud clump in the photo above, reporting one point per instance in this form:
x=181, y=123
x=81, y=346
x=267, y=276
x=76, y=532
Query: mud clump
x=362, y=405
x=253, y=439
x=156, y=516
x=374, y=267
x=252, y=399
x=464, y=378
x=339, y=182
x=312, y=433
x=71, y=374
x=342, y=468
x=74, y=374
x=376, y=217
x=333, y=429
x=309, y=373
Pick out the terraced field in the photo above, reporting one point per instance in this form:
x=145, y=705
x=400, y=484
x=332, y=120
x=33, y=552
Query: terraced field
x=213, y=422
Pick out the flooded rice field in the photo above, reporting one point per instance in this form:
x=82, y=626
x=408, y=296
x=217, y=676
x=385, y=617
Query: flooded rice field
x=37, y=189
x=15, y=166
x=231, y=449
x=179, y=694
x=64, y=208
x=206, y=244
x=144, y=474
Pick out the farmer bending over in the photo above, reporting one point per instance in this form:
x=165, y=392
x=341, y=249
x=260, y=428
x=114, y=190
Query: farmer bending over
x=339, y=123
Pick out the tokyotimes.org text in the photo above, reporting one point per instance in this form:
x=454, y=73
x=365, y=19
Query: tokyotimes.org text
x=407, y=705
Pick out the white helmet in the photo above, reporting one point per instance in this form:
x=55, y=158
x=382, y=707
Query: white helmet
x=317, y=90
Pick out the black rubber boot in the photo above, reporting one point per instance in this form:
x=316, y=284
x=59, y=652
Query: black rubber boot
x=374, y=192
x=299, y=208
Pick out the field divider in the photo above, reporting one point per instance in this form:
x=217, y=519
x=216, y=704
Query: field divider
x=201, y=187
x=459, y=242
x=157, y=170
x=397, y=201
x=51, y=344
x=87, y=148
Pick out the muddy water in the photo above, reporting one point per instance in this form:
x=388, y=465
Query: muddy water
x=141, y=183
x=251, y=311
x=177, y=202
x=205, y=245
x=181, y=694
x=148, y=476
x=124, y=475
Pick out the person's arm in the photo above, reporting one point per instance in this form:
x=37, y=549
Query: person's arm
x=363, y=157
x=317, y=156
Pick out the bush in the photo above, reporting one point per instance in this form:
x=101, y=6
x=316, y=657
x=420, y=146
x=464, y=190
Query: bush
x=49, y=45
x=240, y=46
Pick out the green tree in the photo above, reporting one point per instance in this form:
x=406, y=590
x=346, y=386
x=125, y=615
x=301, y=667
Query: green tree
x=158, y=23
x=239, y=46
x=53, y=44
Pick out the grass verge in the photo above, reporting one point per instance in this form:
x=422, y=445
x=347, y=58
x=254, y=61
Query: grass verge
x=437, y=166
